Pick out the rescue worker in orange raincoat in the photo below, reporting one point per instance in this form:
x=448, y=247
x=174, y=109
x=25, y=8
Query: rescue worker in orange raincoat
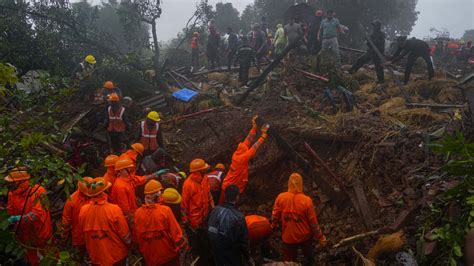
x=239, y=168
x=135, y=154
x=123, y=191
x=104, y=228
x=155, y=229
x=215, y=181
x=195, y=206
x=149, y=133
x=70, y=217
x=117, y=123
x=32, y=221
x=299, y=224
x=111, y=174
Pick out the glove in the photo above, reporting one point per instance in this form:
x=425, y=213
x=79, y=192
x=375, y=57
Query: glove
x=323, y=241
x=265, y=130
x=14, y=218
x=162, y=171
x=254, y=122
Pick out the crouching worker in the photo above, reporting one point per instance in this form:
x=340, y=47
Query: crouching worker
x=299, y=224
x=104, y=228
x=227, y=231
x=156, y=231
x=31, y=220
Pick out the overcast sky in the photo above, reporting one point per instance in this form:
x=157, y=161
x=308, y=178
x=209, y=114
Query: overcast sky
x=454, y=15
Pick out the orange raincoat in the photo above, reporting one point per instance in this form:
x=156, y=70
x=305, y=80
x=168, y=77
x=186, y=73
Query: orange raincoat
x=239, y=168
x=157, y=234
x=110, y=175
x=35, y=228
x=105, y=231
x=70, y=222
x=196, y=199
x=123, y=193
x=296, y=213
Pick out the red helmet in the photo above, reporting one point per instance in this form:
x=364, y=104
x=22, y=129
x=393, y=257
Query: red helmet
x=319, y=13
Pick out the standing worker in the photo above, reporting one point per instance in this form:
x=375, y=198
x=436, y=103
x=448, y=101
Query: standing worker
x=195, y=205
x=84, y=70
x=378, y=38
x=32, y=221
x=414, y=48
x=314, y=45
x=213, y=43
x=172, y=199
x=239, y=169
x=123, y=192
x=299, y=224
x=279, y=40
x=227, y=231
x=215, y=181
x=232, y=46
x=149, y=133
x=330, y=26
x=245, y=56
x=117, y=123
x=70, y=216
x=155, y=229
x=195, y=51
x=104, y=228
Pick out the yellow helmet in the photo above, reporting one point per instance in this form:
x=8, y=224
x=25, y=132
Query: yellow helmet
x=171, y=196
x=90, y=59
x=153, y=115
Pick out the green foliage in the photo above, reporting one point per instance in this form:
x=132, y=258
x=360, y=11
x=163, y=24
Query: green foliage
x=26, y=130
x=450, y=231
x=227, y=16
x=468, y=35
x=7, y=78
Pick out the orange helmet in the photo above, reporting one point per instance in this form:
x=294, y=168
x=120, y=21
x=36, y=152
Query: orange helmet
x=152, y=187
x=220, y=166
x=124, y=164
x=113, y=97
x=18, y=174
x=109, y=85
x=97, y=186
x=111, y=160
x=82, y=184
x=138, y=147
x=198, y=165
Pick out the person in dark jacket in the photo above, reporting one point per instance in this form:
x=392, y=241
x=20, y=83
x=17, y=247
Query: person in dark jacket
x=232, y=46
x=158, y=160
x=227, y=231
x=414, y=48
x=378, y=38
x=313, y=44
x=213, y=43
x=149, y=133
x=245, y=56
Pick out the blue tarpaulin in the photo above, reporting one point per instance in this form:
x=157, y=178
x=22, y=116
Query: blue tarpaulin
x=185, y=94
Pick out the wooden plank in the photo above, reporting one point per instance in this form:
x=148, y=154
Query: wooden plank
x=470, y=99
x=363, y=204
x=75, y=120
x=338, y=198
x=352, y=50
x=150, y=99
x=435, y=105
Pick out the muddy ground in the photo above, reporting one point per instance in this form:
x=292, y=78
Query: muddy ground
x=381, y=143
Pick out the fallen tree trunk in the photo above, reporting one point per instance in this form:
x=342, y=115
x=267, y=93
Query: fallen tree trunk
x=267, y=70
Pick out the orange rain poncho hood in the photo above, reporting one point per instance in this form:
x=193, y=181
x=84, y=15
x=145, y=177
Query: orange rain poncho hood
x=295, y=183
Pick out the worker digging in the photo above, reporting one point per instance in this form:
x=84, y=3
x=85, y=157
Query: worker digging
x=304, y=133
